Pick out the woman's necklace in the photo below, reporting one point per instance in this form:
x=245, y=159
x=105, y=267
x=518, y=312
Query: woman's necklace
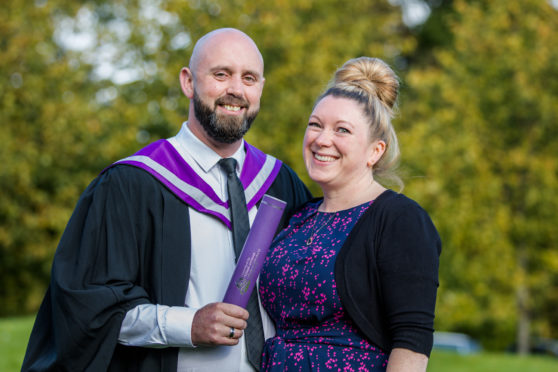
x=314, y=231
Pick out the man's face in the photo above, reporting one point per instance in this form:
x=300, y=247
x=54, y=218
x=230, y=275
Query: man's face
x=227, y=83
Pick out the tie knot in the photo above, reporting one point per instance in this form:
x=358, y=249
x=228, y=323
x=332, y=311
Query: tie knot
x=228, y=165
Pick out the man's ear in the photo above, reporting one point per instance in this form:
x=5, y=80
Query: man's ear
x=187, y=82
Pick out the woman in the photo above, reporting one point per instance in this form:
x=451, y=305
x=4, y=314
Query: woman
x=352, y=281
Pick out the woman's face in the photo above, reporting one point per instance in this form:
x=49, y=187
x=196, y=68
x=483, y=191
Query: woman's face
x=337, y=148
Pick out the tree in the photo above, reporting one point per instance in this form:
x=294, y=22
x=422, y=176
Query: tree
x=479, y=125
x=58, y=131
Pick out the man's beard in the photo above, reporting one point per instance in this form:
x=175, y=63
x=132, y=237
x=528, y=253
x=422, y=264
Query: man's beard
x=223, y=128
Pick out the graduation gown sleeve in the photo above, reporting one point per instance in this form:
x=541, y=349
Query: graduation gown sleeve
x=105, y=264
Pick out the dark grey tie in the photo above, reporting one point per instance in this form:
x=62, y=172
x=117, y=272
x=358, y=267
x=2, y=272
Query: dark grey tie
x=237, y=205
x=240, y=228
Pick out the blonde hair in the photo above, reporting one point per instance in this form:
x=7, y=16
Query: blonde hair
x=372, y=83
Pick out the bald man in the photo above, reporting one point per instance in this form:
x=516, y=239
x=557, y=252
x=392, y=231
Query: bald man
x=142, y=267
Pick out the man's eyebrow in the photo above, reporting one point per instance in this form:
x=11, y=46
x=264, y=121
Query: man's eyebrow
x=229, y=70
x=220, y=68
x=252, y=72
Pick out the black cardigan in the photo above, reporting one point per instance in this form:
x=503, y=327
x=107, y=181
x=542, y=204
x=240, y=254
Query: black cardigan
x=387, y=274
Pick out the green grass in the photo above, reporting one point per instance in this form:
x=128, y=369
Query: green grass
x=14, y=334
x=441, y=361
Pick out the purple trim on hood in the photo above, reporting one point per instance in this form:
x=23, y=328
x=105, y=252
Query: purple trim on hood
x=163, y=162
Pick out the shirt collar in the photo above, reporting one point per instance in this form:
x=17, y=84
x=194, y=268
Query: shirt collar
x=202, y=154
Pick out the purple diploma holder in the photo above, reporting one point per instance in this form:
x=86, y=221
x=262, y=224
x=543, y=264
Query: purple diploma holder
x=255, y=249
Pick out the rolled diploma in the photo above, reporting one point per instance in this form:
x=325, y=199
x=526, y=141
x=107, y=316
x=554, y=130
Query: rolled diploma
x=254, y=251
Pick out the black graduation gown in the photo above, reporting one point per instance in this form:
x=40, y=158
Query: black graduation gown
x=127, y=243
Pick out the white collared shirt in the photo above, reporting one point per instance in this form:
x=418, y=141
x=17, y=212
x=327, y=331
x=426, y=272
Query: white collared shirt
x=212, y=266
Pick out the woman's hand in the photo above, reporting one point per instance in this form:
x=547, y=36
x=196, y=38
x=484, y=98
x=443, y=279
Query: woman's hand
x=405, y=360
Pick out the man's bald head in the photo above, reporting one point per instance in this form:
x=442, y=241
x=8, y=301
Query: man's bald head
x=218, y=37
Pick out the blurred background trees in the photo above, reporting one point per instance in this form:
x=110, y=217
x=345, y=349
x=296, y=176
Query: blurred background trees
x=483, y=105
x=87, y=83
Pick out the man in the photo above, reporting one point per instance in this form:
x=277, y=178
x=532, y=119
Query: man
x=142, y=267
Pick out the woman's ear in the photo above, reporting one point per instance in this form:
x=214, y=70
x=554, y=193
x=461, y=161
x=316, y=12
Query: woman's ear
x=378, y=148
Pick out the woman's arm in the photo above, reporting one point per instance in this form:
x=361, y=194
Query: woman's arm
x=408, y=262
x=405, y=360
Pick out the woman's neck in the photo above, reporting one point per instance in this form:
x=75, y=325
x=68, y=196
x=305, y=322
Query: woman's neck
x=338, y=200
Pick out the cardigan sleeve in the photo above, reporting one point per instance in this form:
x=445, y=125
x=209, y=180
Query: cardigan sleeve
x=408, y=258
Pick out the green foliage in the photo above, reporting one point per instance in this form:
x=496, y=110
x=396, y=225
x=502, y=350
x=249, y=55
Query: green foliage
x=478, y=127
x=56, y=135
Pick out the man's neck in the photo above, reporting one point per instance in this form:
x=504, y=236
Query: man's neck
x=224, y=150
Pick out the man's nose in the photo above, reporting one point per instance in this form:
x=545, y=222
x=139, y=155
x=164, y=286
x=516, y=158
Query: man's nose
x=235, y=86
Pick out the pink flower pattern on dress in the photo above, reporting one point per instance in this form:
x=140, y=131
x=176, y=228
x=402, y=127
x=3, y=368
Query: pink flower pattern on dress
x=298, y=290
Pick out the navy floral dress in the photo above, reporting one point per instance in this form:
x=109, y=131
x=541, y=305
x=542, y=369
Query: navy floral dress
x=298, y=290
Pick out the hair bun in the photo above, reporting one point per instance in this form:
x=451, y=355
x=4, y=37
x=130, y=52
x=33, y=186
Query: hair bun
x=370, y=75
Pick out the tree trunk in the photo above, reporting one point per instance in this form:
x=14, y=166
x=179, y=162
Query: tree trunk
x=524, y=319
